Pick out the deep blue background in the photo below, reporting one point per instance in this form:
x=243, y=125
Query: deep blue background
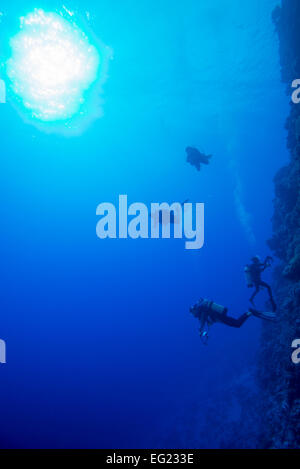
x=101, y=348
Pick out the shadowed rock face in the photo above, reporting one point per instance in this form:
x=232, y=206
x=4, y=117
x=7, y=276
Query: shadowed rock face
x=278, y=377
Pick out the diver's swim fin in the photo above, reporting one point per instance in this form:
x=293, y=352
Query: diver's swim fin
x=267, y=316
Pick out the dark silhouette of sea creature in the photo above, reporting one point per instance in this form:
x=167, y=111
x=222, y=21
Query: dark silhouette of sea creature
x=196, y=158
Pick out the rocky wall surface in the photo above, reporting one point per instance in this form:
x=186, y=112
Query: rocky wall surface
x=278, y=376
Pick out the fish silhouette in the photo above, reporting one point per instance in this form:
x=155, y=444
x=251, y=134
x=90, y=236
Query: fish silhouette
x=196, y=158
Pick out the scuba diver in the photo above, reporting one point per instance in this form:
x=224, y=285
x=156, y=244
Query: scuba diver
x=196, y=158
x=210, y=313
x=253, y=278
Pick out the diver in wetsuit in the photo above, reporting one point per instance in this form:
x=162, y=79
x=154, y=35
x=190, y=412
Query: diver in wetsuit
x=253, y=273
x=210, y=313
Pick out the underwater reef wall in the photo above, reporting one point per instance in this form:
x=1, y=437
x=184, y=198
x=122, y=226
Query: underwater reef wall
x=278, y=376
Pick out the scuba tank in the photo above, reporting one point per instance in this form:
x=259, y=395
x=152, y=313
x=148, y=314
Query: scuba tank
x=219, y=309
x=248, y=276
x=207, y=306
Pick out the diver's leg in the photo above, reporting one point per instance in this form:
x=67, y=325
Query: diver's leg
x=265, y=285
x=232, y=322
x=254, y=293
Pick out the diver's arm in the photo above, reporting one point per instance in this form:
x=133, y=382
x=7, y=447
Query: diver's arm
x=266, y=264
x=203, y=322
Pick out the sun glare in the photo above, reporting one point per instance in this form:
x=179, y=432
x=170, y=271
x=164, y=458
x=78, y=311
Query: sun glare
x=52, y=66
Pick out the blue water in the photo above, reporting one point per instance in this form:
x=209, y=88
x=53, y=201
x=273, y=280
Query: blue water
x=101, y=348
